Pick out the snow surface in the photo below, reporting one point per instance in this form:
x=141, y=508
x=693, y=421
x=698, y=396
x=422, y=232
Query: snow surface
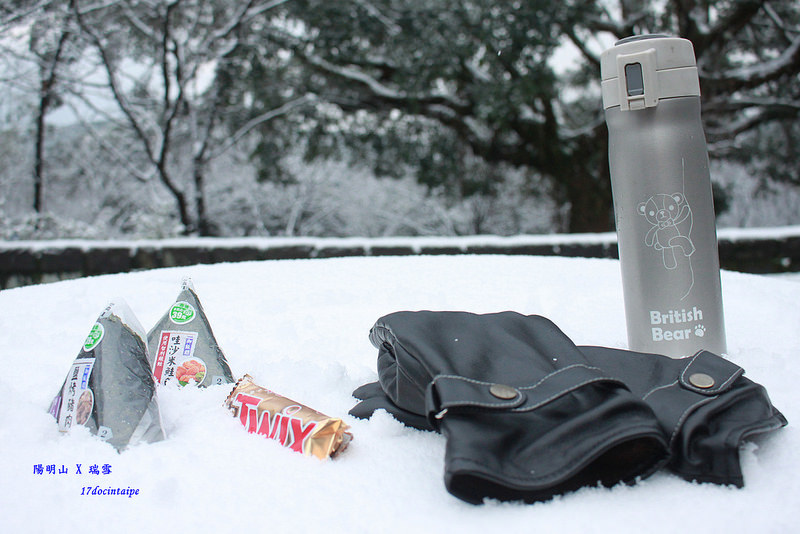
x=300, y=328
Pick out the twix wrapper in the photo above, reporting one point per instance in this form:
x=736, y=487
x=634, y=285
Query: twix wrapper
x=290, y=423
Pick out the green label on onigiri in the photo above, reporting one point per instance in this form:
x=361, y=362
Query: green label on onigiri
x=181, y=313
x=94, y=337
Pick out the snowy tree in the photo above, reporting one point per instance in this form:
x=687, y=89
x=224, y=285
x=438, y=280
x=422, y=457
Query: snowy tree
x=162, y=60
x=41, y=68
x=493, y=107
x=441, y=81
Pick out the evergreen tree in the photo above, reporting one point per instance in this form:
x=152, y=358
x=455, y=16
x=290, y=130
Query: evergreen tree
x=432, y=85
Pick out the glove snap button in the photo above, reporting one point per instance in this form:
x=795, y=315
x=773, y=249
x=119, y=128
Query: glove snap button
x=701, y=380
x=501, y=391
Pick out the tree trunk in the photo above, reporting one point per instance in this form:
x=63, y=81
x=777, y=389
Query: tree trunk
x=587, y=183
x=38, y=156
x=48, y=82
x=591, y=207
x=205, y=227
x=189, y=225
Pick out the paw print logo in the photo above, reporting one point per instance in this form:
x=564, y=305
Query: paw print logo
x=700, y=330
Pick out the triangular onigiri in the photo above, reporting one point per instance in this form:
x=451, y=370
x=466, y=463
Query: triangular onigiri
x=109, y=387
x=183, y=349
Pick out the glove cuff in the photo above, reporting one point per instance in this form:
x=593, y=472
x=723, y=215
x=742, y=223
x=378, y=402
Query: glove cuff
x=570, y=430
x=706, y=448
x=704, y=404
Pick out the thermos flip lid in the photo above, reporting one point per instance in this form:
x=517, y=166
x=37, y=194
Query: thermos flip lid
x=639, y=71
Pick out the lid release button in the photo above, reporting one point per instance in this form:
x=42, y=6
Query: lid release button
x=634, y=80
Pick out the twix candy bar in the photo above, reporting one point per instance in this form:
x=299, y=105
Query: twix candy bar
x=290, y=423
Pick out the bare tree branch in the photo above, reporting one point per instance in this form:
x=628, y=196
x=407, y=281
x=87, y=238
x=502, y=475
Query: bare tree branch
x=16, y=17
x=114, y=85
x=156, y=155
x=592, y=58
x=382, y=91
x=755, y=75
x=730, y=23
x=750, y=121
x=102, y=141
x=259, y=120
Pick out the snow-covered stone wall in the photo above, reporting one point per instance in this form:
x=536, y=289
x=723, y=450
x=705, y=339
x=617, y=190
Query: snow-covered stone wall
x=761, y=250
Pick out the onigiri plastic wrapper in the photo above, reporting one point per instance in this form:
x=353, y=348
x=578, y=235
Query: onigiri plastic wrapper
x=183, y=349
x=109, y=387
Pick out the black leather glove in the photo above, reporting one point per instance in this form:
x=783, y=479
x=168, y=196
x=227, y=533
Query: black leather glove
x=525, y=414
x=373, y=398
x=704, y=404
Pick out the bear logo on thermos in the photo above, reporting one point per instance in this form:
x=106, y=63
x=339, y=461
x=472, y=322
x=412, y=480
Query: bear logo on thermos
x=670, y=219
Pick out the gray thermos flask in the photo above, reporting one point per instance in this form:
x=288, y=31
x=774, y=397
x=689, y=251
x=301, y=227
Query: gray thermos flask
x=663, y=205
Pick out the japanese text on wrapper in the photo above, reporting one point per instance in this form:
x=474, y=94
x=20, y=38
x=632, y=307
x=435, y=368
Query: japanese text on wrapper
x=173, y=348
x=76, y=397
